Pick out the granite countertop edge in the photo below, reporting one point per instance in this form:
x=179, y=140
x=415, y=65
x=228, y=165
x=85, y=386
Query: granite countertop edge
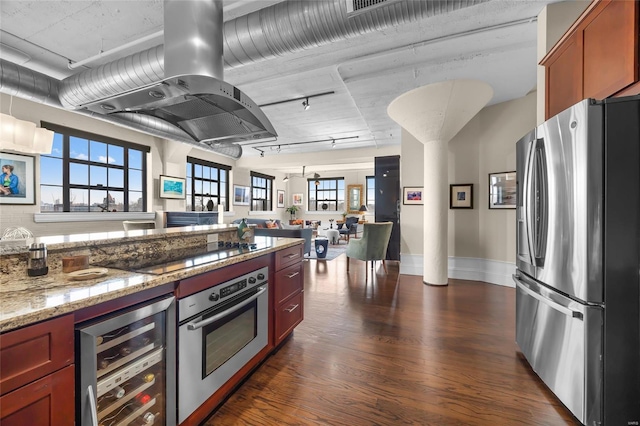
x=28, y=300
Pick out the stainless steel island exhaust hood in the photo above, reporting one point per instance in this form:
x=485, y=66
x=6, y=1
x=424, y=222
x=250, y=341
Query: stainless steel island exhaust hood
x=191, y=96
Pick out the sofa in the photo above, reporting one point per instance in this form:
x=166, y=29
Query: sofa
x=280, y=230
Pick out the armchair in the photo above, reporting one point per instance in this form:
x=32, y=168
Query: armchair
x=372, y=246
x=349, y=228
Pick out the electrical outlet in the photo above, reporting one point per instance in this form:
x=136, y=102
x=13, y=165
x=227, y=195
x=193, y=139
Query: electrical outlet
x=212, y=238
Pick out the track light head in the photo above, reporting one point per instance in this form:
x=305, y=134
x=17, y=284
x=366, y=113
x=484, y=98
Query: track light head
x=278, y=150
x=305, y=104
x=333, y=143
x=261, y=153
x=286, y=178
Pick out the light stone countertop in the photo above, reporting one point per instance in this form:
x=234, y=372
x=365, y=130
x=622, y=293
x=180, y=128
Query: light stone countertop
x=25, y=300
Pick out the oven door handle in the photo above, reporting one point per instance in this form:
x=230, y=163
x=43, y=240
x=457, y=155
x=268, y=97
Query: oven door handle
x=216, y=317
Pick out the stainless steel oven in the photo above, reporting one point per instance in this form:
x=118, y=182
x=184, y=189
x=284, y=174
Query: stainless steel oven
x=219, y=331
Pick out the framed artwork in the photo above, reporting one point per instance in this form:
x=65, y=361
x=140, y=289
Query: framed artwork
x=502, y=190
x=412, y=195
x=280, y=198
x=297, y=199
x=172, y=187
x=17, y=179
x=461, y=196
x=241, y=195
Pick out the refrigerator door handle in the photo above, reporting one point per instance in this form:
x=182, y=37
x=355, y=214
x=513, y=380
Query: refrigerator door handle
x=550, y=303
x=541, y=203
x=92, y=406
x=529, y=193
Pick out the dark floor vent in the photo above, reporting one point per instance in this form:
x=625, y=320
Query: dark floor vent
x=359, y=6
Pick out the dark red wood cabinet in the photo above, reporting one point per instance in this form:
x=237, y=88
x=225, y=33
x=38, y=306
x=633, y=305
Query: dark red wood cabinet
x=37, y=374
x=598, y=57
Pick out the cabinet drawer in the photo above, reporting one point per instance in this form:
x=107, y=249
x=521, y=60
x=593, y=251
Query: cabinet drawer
x=33, y=352
x=288, y=315
x=289, y=256
x=48, y=401
x=288, y=282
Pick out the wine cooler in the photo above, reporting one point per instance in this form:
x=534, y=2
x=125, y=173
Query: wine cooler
x=125, y=367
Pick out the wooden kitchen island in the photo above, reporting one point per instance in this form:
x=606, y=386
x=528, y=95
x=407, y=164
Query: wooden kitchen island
x=39, y=315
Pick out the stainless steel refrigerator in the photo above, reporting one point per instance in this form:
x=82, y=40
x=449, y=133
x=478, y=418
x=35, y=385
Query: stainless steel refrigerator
x=578, y=258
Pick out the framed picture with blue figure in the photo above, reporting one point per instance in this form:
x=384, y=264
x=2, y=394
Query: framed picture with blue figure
x=17, y=179
x=172, y=187
x=461, y=196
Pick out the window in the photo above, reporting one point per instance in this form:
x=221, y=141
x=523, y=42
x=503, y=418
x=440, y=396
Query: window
x=207, y=181
x=261, y=192
x=371, y=194
x=92, y=173
x=327, y=193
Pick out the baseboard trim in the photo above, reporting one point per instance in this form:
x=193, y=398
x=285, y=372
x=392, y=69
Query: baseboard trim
x=466, y=268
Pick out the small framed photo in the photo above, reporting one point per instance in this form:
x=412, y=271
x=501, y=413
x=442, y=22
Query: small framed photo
x=412, y=195
x=298, y=199
x=461, y=196
x=172, y=187
x=502, y=190
x=280, y=198
x=17, y=179
x=241, y=195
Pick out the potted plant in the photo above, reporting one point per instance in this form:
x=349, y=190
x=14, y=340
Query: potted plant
x=292, y=210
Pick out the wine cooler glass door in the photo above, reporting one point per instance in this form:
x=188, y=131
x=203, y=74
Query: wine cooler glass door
x=127, y=367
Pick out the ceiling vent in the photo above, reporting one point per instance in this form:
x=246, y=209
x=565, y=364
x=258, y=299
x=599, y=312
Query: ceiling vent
x=355, y=7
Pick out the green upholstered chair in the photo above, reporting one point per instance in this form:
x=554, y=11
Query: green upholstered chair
x=373, y=244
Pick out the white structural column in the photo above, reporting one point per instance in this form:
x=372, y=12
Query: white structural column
x=434, y=114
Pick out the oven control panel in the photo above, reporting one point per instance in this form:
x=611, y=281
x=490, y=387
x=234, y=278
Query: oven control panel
x=209, y=298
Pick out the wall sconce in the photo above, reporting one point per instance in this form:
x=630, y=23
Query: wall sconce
x=24, y=136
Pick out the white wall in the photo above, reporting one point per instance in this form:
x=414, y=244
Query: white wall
x=166, y=157
x=485, y=145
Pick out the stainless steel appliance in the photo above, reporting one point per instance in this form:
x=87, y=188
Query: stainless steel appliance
x=220, y=330
x=126, y=367
x=578, y=258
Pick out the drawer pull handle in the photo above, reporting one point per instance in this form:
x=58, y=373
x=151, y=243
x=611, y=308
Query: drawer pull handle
x=292, y=308
x=292, y=255
x=293, y=275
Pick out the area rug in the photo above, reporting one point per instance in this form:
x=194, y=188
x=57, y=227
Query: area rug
x=333, y=251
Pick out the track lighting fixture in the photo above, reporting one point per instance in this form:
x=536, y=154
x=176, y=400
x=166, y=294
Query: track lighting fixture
x=304, y=99
x=333, y=143
x=278, y=150
x=286, y=178
x=261, y=153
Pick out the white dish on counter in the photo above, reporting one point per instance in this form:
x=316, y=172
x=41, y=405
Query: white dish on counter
x=88, y=274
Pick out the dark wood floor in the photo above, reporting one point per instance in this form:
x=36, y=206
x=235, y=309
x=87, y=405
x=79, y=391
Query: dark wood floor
x=394, y=351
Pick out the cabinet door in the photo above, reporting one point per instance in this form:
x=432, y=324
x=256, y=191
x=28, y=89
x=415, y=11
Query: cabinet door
x=564, y=77
x=47, y=401
x=32, y=352
x=611, y=50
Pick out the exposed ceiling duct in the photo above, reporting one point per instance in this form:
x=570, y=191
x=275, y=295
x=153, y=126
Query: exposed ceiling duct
x=135, y=91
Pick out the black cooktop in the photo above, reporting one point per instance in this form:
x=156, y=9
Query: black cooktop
x=171, y=261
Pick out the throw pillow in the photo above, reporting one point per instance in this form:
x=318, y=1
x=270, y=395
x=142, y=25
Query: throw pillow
x=271, y=224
